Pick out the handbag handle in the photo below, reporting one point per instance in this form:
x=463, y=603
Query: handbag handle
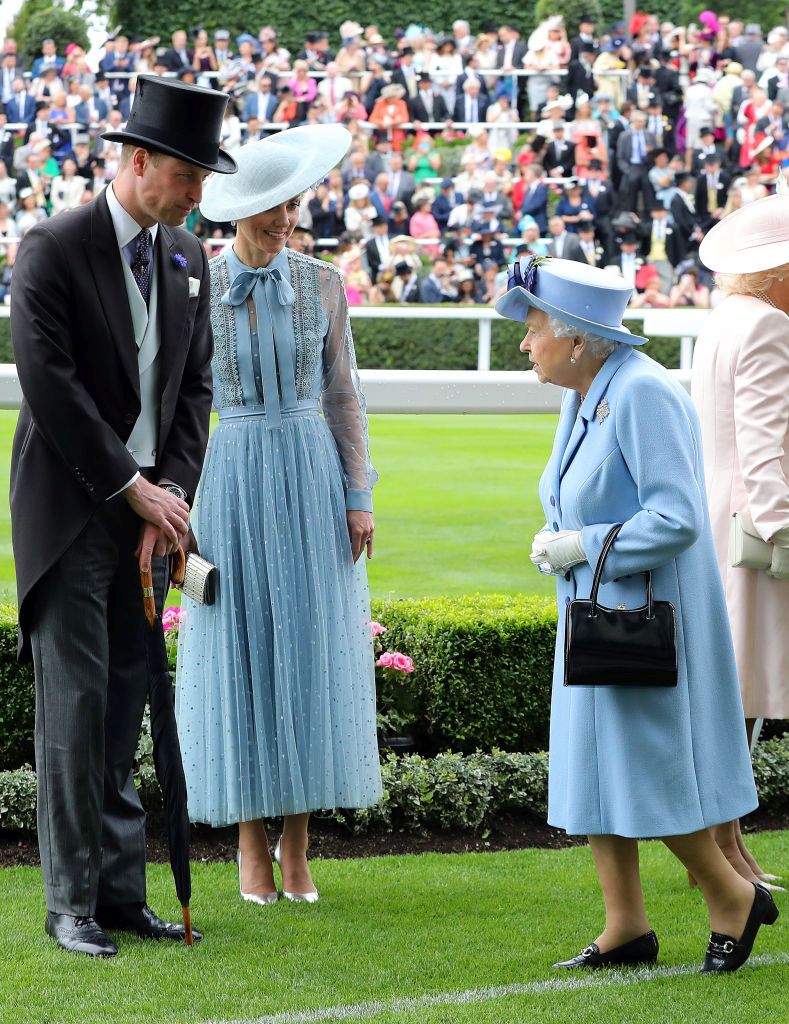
x=608, y=543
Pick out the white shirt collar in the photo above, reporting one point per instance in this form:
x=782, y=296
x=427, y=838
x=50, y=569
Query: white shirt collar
x=126, y=227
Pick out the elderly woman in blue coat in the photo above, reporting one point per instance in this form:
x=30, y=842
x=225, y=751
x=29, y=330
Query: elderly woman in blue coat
x=630, y=762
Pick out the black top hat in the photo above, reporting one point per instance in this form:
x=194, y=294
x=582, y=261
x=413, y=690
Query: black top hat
x=588, y=48
x=177, y=119
x=587, y=19
x=706, y=130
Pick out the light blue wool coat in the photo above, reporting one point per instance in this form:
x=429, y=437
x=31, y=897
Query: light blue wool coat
x=638, y=761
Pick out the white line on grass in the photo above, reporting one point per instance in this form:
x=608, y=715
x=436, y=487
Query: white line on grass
x=598, y=979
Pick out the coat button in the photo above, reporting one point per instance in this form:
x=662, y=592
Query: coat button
x=129, y=418
x=568, y=576
x=567, y=600
x=553, y=500
x=555, y=525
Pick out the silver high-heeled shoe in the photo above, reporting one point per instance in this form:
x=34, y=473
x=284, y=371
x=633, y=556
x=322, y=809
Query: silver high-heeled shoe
x=264, y=900
x=295, y=897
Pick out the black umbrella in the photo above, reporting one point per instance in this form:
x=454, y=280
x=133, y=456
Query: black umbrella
x=167, y=753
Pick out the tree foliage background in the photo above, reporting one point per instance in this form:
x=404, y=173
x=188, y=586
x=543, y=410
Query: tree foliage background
x=48, y=19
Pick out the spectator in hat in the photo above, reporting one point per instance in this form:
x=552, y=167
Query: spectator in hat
x=593, y=253
x=67, y=188
x=333, y=86
x=687, y=230
x=712, y=192
x=327, y=212
x=661, y=176
x=406, y=74
x=391, y=111
x=28, y=212
x=580, y=75
x=222, y=51
x=203, y=59
x=303, y=87
x=499, y=115
x=748, y=50
x=660, y=125
x=588, y=146
x=574, y=208
x=586, y=27
x=274, y=58
x=548, y=50
x=444, y=203
x=377, y=248
x=563, y=245
x=535, y=196
x=405, y=285
x=642, y=88
x=689, y=291
x=627, y=261
x=428, y=105
x=707, y=147
x=359, y=212
x=49, y=59
x=559, y=156
x=350, y=109
x=315, y=52
x=485, y=244
x=700, y=109
x=351, y=57
x=178, y=55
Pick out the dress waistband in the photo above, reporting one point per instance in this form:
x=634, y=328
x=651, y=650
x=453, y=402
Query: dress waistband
x=309, y=407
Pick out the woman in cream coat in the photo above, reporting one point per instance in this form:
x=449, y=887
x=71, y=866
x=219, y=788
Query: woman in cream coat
x=741, y=390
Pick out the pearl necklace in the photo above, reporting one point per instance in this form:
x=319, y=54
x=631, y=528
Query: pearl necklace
x=765, y=298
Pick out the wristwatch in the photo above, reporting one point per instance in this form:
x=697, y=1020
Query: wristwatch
x=179, y=492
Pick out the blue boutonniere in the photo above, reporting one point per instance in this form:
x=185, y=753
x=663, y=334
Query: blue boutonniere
x=179, y=260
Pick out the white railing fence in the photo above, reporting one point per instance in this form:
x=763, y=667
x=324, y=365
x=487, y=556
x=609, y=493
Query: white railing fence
x=684, y=324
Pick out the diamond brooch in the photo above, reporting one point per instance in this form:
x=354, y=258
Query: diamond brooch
x=602, y=412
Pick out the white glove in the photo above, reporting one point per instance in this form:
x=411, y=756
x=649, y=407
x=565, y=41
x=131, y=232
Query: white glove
x=555, y=553
x=779, y=568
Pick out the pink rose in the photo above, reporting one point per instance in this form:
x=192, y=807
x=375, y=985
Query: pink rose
x=172, y=616
x=385, y=661
x=402, y=663
x=376, y=628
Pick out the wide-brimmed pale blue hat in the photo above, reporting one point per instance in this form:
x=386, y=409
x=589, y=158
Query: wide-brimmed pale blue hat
x=586, y=297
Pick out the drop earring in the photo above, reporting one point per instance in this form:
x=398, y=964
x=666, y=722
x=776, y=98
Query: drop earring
x=573, y=359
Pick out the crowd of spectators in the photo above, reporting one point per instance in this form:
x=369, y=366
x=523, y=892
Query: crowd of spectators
x=620, y=149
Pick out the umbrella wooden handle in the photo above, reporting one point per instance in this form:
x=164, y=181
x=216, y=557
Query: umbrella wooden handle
x=188, y=936
x=148, y=599
x=178, y=567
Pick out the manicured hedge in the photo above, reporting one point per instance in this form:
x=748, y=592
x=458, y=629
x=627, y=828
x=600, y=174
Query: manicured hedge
x=483, y=667
x=482, y=679
x=447, y=792
x=17, y=698
x=432, y=345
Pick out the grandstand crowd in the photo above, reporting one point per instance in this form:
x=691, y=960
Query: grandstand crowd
x=618, y=148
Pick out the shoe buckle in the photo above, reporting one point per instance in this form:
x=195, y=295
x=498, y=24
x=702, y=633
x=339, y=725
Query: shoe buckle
x=589, y=951
x=721, y=947
x=728, y=946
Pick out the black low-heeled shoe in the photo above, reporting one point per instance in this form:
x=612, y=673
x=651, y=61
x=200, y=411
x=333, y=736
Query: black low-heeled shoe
x=643, y=950
x=725, y=953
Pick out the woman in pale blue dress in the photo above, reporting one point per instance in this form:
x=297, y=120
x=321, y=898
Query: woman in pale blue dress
x=276, y=693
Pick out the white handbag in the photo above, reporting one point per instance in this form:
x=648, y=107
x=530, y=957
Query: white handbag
x=747, y=550
x=194, y=576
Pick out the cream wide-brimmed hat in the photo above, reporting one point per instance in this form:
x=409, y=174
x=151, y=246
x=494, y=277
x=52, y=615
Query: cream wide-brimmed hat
x=275, y=169
x=751, y=239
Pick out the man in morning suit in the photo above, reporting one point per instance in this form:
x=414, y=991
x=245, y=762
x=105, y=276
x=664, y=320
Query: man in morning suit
x=113, y=344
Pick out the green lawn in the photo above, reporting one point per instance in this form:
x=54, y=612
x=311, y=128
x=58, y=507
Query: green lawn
x=387, y=929
x=456, y=505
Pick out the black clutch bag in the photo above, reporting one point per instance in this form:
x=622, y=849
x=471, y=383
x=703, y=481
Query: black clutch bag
x=619, y=647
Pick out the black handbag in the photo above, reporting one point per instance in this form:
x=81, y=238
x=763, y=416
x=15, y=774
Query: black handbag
x=619, y=647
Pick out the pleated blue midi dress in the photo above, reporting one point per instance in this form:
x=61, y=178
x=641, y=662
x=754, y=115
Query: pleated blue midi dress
x=275, y=682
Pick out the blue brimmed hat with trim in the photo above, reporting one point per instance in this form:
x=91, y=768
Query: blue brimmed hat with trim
x=585, y=297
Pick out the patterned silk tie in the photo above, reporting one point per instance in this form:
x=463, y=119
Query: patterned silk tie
x=141, y=265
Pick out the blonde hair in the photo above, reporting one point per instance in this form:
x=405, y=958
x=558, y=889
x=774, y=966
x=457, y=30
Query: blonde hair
x=750, y=284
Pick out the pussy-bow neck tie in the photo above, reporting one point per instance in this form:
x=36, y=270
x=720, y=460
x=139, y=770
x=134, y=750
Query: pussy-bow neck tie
x=266, y=353
x=245, y=282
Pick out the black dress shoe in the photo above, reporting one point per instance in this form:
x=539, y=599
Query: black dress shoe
x=726, y=954
x=139, y=918
x=643, y=950
x=79, y=935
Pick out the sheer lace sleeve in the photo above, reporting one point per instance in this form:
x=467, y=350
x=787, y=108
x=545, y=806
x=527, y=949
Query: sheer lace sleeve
x=342, y=399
